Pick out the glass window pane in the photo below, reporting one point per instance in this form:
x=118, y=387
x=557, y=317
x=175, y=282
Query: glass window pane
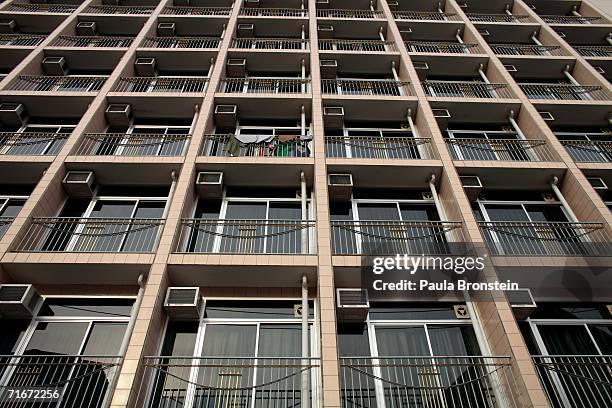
x=150, y=209
x=12, y=330
x=180, y=338
x=113, y=209
x=506, y=213
x=353, y=340
x=567, y=340
x=87, y=307
x=280, y=340
x=61, y=338
x=285, y=211
x=222, y=340
x=450, y=340
x=13, y=207
x=105, y=339
x=603, y=337
x=242, y=211
x=378, y=212
x=401, y=341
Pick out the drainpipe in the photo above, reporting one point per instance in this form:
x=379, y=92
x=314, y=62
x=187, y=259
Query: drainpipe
x=560, y=197
x=434, y=194
x=303, y=120
x=534, y=38
x=610, y=118
x=303, y=76
x=566, y=72
x=507, y=10
x=372, y=8
x=609, y=38
x=458, y=36
x=223, y=31
x=196, y=112
x=575, y=11
x=515, y=126
x=381, y=35
x=482, y=74
x=305, y=229
x=422, y=151
x=305, y=342
x=174, y=177
x=303, y=35
x=397, y=78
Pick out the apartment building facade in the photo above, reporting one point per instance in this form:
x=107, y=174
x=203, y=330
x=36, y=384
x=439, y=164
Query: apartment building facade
x=190, y=189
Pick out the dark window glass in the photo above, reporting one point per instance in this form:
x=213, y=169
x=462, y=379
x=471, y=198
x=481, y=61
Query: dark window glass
x=603, y=338
x=222, y=340
x=353, y=340
x=280, y=340
x=90, y=307
x=450, y=340
x=57, y=338
x=563, y=311
x=105, y=339
x=425, y=311
x=221, y=309
x=180, y=338
x=12, y=330
x=567, y=340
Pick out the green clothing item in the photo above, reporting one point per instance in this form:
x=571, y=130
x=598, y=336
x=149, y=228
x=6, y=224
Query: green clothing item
x=233, y=146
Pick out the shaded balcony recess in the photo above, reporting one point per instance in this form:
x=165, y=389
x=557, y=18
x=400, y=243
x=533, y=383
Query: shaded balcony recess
x=426, y=15
x=219, y=145
x=502, y=149
x=58, y=83
x=265, y=85
x=196, y=11
x=499, y=18
x=133, y=144
x=587, y=147
x=107, y=235
x=379, y=147
x=31, y=143
x=128, y=10
x=442, y=47
x=21, y=40
x=92, y=41
x=466, y=89
x=228, y=381
x=161, y=84
x=594, y=50
x=458, y=382
x=41, y=8
x=80, y=380
x=357, y=45
x=552, y=19
x=576, y=380
x=527, y=49
x=5, y=223
x=348, y=13
x=270, y=43
x=370, y=87
x=564, y=92
x=181, y=42
x=273, y=12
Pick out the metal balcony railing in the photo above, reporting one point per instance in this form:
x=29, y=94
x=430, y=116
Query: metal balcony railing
x=594, y=50
x=70, y=234
x=270, y=43
x=31, y=143
x=565, y=92
x=499, y=18
x=129, y=10
x=161, y=84
x=576, y=381
x=273, y=12
x=5, y=223
x=426, y=15
x=523, y=49
x=41, y=8
x=466, y=89
x=587, y=151
x=246, y=236
x=57, y=83
x=227, y=381
x=371, y=147
x=509, y=149
x=457, y=382
x=392, y=237
x=281, y=146
x=385, y=87
x=196, y=11
x=357, y=45
x=265, y=85
x=511, y=238
x=181, y=42
x=82, y=381
x=134, y=144
x=93, y=41
x=348, y=13
x=439, y=47
x=552, y=19
x=21, y=40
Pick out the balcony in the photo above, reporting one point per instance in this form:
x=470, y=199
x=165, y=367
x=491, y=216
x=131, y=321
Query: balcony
x=564, y=92
x=79, y=380
x=587, y=147
x=357, y=45
x=499, y=149
x=92, y=41
x=515, y=238
x=181, y=42
x=126, y=10
x=466, y=89
x=551, y=19
x=31, y=143
x=425, y=15
x=101, y=235
x=134, y=144
x=255, y=236
x=41, y=8
x=440, y=47
x=261, y=85
x=196, y=11
x=372, y=147
x=391, y=237
x=161, y=84
x=21, y=40
x=499, y=18
x=273, y=12
x=57, y=83
x=577, y=380
x=594, y=50
x=365, y=87
x=458, y=382
x=227, y=382
x=218, y=145
x=270, y=43
x=527, y=49
x=348, y=13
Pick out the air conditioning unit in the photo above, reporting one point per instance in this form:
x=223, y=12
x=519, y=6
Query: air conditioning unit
x=472, y=186
x=329, y=69
x=522, y=303
x=12, y=114
x=340, y=186
x=598, y=184
x=352, y=305
x=325, y=31
x=421, y=69
x=547, y=116
x=183, y=303
x=80, y=184
x=251, y=3
x=8, y=27
x=226, y=115
x=245, y=31
x=483, y=32
x=118, y=114
x=599, y=69
x=235, y=68
x=209, y=184
x=393, y=5
x=87, y=28
x=510, y=68
x=406, y=33
x=18, y=301
x=55, y=66
x=145, y=67
x=322, y=4
x=333, y=117
x=442, y=117
x=166, y=29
